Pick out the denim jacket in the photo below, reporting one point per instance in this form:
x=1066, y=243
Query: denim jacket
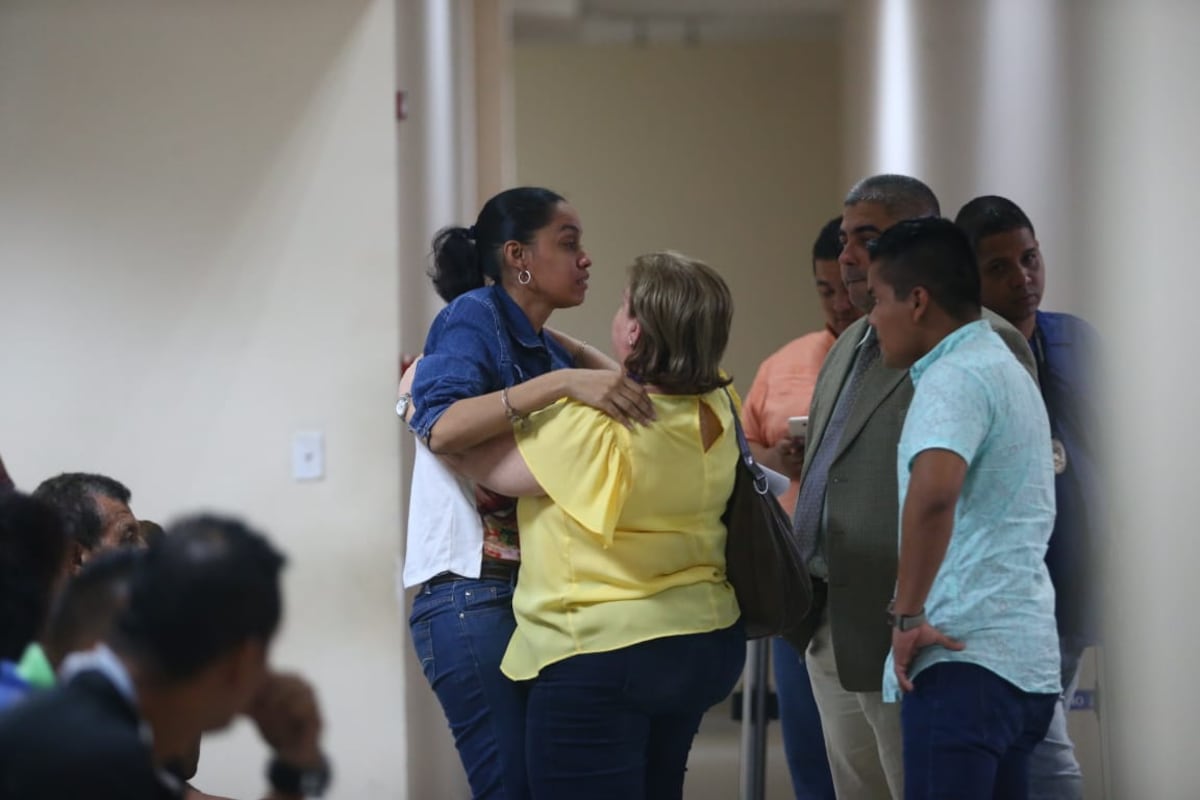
x=480, y=343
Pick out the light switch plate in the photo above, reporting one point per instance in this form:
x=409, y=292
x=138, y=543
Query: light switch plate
x=308, y=455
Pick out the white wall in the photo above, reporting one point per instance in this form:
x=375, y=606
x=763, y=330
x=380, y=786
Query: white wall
x=1138, y=206
x=728, y=152
x=198, y=256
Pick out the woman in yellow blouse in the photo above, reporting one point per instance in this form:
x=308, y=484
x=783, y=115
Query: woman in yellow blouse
x=626, y=623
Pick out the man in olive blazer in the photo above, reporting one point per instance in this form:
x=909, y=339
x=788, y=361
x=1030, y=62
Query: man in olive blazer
x=858, y=527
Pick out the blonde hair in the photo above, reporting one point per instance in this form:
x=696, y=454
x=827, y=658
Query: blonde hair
x=685, y=310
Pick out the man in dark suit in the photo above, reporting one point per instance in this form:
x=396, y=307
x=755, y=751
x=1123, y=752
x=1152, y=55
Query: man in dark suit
x=188, y=654
x=847, y=512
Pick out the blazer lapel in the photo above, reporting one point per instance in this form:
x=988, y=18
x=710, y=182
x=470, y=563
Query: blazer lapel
x=878, y=383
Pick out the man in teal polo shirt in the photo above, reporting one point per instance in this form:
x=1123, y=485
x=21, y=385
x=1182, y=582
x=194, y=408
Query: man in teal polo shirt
x=975, y=645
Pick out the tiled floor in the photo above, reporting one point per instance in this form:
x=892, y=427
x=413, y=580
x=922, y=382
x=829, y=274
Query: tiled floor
x=713, y=768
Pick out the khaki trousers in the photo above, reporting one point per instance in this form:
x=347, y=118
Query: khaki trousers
x=862, y=733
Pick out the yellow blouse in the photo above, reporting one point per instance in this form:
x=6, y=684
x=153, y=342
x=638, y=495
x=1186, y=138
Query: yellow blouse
x=628, y=543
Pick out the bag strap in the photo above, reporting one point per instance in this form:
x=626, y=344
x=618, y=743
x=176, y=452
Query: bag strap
x=760, y=478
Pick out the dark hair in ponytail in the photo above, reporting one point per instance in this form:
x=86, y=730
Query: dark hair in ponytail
x=464, y=257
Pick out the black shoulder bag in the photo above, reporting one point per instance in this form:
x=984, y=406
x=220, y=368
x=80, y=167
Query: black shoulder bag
x=762, y=556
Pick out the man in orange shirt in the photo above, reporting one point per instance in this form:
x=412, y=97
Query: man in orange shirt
x=784, y=384
x=783, y=388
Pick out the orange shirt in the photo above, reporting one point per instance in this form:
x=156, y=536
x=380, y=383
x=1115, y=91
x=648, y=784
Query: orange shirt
x=783, y=388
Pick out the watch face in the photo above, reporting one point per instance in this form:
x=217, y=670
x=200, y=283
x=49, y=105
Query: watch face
x=314, y=784
x=402, y=405
x=288, y=779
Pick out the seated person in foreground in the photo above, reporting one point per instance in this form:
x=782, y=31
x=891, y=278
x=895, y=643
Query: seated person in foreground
x=189, y=652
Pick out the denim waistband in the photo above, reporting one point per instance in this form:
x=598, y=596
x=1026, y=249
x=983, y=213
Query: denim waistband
x=490, y=570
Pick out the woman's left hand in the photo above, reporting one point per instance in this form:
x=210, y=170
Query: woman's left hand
x=614, y=393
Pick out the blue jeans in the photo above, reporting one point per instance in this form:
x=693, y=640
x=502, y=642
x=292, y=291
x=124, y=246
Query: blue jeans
x=1054, y=772
x=803, y=741
x=620, y=724
x=460, y=631
x=968, y=734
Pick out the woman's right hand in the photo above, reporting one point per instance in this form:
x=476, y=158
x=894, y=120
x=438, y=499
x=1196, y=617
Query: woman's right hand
x=614, y=393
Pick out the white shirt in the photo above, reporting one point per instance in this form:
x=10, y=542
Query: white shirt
x=445, y=533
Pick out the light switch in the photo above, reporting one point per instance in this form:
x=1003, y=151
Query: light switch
x=308, y=455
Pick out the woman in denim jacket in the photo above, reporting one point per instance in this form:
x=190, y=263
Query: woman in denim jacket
x=488, y=362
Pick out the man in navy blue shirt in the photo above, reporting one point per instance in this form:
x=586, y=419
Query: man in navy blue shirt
x=1013, y=279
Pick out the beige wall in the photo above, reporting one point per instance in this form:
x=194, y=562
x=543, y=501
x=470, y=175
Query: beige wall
x=728, y=152
x=1138, y=180
x=198, y=256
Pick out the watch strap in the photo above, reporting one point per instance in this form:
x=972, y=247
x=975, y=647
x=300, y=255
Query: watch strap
x=904, y=622
x=290, y=779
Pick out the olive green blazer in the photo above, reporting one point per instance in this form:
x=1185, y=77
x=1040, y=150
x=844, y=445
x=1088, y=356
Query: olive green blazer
x=862, y=501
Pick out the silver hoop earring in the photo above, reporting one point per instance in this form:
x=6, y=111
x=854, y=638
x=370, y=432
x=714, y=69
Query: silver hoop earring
x=524, y=277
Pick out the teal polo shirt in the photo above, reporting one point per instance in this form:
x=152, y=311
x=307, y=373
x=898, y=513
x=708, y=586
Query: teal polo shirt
x=993, y=592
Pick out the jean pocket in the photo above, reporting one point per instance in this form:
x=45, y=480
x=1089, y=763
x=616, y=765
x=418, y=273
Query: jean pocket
x=484, y=598
x=429, y=604
x=422, y=639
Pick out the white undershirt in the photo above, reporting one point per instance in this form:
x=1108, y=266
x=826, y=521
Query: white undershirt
x=445, y=533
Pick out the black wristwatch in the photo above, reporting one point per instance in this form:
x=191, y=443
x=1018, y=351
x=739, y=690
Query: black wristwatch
x=904, y=622
x=290, y=779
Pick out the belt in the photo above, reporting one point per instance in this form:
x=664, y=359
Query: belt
x=489, y=570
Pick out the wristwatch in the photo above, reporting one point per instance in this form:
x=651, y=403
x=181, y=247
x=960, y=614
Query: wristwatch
x=290, y=779
x=904, y=622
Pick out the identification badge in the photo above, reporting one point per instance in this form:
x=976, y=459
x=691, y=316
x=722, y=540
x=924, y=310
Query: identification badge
x=1060, y=456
